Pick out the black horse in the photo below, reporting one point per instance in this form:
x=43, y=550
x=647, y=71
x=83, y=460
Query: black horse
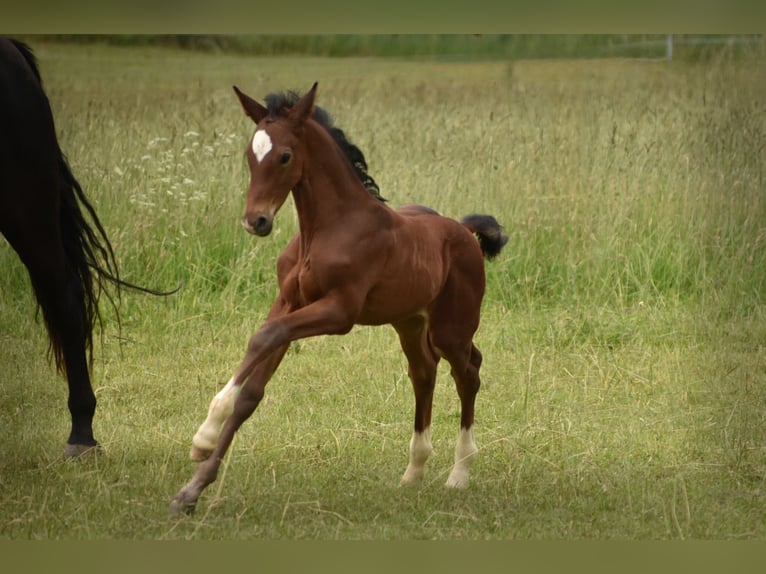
x=49, y=222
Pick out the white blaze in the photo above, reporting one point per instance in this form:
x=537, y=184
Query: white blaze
x=261, y=144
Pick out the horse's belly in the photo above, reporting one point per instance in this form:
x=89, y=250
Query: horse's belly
x=396, y=301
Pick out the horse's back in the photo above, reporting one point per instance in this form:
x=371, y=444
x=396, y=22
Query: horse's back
x=450, y=233
x=22, y=100
x=29, y=151
x=414, y=209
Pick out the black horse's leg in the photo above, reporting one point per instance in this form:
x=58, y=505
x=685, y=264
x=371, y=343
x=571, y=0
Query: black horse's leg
x=60, y=295
x=40, y=219
x=82, y=400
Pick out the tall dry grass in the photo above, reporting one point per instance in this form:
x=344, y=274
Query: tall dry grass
x=623, y=326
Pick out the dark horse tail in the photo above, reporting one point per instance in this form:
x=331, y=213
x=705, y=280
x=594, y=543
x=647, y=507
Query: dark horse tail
x=88, y=250
x=488, y=231
x=90, y=255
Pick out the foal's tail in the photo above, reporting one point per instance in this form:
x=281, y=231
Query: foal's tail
x=488, y=231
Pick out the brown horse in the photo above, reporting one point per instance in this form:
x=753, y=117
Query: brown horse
x=354, y=261
x=49, y=222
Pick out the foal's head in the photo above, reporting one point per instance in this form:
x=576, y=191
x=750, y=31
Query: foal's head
x=275, y=158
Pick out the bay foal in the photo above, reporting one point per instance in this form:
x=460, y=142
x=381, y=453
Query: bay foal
x=354, y=261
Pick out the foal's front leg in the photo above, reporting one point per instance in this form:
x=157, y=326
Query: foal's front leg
x=265, y=350
x=220, y=409
x=228, y=410
x=222, y=406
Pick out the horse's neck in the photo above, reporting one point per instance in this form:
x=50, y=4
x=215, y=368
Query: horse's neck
x=330, y=190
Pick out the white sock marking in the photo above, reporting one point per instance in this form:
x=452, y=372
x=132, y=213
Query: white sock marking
x=221, y=407
x=466, y=452
x=420, y=449
x=261, y=144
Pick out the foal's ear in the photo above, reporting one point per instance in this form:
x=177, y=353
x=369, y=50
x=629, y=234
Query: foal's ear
x=252, y=108
x=304, y=107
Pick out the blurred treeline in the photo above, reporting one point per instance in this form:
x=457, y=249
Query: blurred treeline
x=448, y=46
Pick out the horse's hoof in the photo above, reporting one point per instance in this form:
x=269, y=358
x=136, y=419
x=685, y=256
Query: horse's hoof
x=457, y=481
x=411, y=478
x=198, y=454
x=82, y=450
x=180, y=507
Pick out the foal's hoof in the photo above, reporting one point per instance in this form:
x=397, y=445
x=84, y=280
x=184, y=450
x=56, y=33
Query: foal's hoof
x=412, y=477
x=457, y=480
x=82, y=450
x=198, y=454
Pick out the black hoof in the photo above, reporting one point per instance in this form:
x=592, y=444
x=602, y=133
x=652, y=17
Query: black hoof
x=82, y=450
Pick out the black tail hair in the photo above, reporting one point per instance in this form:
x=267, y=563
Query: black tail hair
x=87, y=248
x=90, y=255
x=488, y=231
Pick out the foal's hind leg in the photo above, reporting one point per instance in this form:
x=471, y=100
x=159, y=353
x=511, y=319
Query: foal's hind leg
x=465, y=360
x=467, y=380
x=454, y=320
x=422, y=361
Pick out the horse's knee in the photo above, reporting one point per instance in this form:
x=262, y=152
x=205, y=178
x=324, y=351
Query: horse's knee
x=248, y=400
x=82, y=404
x=476, y=358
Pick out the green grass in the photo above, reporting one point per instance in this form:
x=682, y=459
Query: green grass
x=624, y=327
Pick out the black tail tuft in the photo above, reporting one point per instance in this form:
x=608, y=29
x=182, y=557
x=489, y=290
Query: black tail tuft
x=488, y=231
x=90, y=255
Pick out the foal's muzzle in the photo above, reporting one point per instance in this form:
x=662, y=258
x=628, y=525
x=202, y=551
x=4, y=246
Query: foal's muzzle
x=259, y=225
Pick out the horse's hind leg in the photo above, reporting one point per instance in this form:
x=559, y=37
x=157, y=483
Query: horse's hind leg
x=82, y=400
x=451, y=335
x=60, y=296
x=466, y=375
x=63, y=306
x=422, y=361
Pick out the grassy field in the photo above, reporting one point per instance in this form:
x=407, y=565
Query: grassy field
x=624, y=326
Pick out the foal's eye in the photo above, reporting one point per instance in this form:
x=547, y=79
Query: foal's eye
x=284, y=159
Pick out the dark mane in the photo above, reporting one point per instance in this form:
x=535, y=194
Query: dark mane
x=278, y=101
x=27, y=54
